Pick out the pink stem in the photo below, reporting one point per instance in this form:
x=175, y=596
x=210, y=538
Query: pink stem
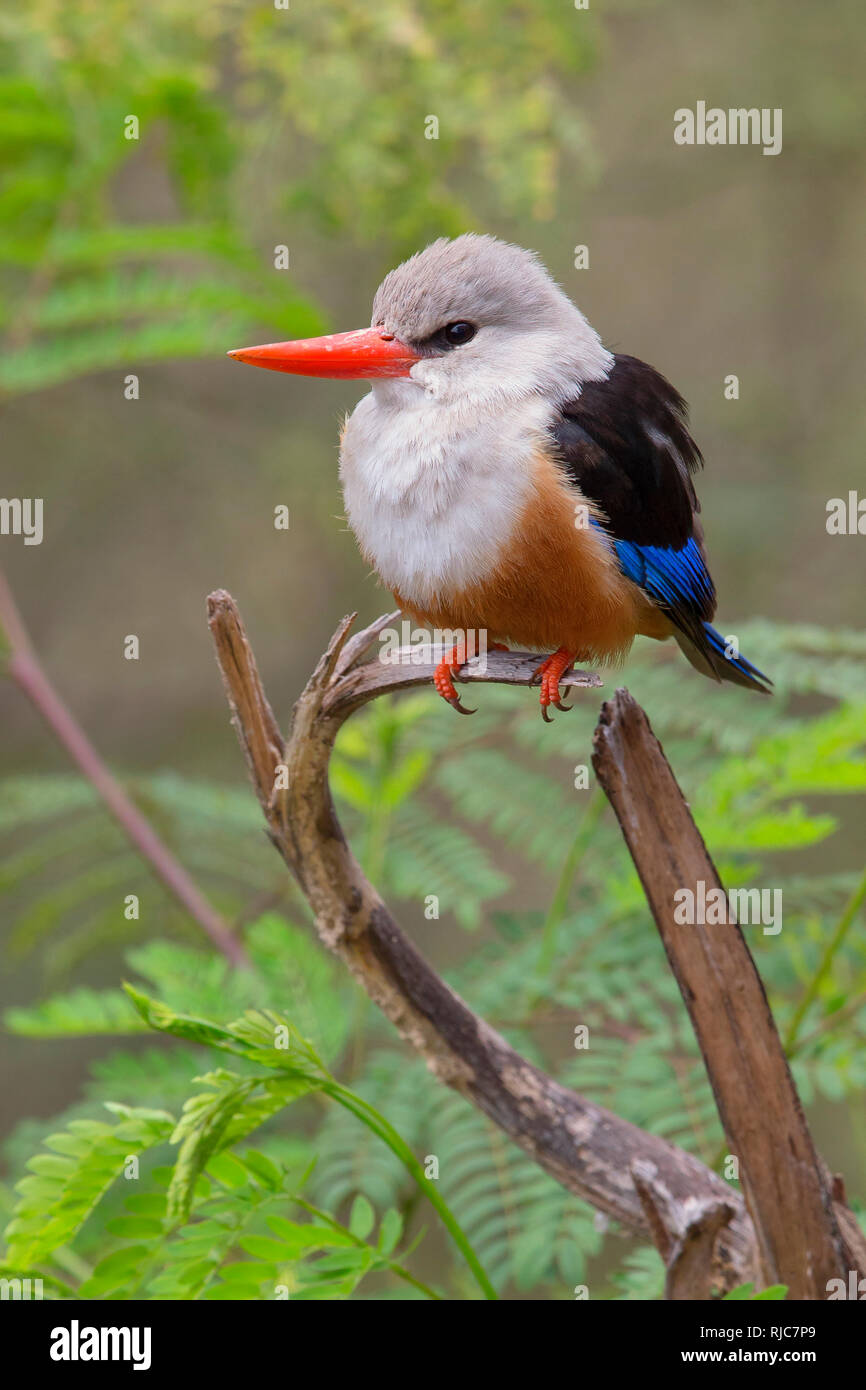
x=25, y=669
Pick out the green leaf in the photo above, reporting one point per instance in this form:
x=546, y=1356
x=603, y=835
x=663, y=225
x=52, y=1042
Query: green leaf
x=264, y=1169
x=266, y=1249
x=166, y=1020
x=362, y=1218
x=134, y=1227
x=114, y=1271
x=82, y=1012
x=747, y=1291
x=390, y=1231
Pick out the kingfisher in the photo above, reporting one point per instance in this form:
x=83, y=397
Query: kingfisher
x=507, y=474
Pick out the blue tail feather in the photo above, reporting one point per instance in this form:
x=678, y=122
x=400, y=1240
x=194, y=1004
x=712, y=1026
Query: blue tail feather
x=733, y=668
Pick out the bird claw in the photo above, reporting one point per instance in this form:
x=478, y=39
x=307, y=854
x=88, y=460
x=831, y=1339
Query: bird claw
x=447, y=672
x=557, y=704
x=460, y=708
x=548, y=676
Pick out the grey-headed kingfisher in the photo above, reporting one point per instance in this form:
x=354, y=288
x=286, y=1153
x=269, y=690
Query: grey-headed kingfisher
x=507, y=473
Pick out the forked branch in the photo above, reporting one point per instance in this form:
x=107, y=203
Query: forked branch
x=648, y=1185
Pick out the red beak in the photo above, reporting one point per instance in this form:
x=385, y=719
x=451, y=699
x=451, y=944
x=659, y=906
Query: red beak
x=365, y=354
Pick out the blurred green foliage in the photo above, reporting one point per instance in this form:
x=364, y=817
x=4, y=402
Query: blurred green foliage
x=80, y=289
x=192, y=102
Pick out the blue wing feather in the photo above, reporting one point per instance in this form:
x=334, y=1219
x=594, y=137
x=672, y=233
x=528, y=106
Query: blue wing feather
x=677, y=578
x=679, y=582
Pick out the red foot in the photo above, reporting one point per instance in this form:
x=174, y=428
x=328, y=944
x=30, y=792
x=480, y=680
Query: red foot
x=448, y=671
x=549, y=674
x=443, y=678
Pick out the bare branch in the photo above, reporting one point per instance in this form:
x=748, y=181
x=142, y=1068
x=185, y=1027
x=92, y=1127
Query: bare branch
x=787, y=1187
x=686, y=1235
x=585, y=1147
x=710, y=1241
x=360, y=683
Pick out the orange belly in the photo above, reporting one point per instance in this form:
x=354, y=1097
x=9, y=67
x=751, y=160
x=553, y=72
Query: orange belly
x=557, y=583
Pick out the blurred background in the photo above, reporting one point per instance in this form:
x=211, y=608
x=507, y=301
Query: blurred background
x=257, y=128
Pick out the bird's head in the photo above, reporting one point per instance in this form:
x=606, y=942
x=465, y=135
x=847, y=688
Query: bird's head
x=469, y=320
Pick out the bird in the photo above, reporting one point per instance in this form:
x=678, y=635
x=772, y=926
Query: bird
x=508, y=474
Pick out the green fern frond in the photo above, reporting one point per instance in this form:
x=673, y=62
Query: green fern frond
x=66, y=1184
x=80, y=1013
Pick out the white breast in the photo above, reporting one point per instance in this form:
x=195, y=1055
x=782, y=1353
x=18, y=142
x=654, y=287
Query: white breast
x=433, y=491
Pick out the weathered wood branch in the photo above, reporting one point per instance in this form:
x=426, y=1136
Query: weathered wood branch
x=684, y=1233
x=788, y=1189
x=650, y=1186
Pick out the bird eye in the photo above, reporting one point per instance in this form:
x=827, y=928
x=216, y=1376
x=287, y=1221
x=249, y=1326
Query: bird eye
x=456, y=334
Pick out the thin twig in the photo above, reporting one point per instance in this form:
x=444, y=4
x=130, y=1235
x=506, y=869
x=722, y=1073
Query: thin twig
x=23, y=666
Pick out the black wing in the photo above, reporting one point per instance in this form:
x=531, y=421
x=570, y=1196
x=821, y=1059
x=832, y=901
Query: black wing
x=625, y=442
